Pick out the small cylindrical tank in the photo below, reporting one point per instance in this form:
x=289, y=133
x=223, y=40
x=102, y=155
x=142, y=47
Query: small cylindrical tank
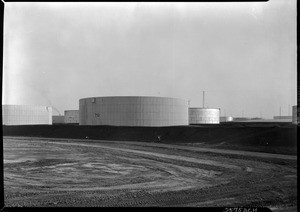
x=204, y=116
x=71, y=117
x=226, y=118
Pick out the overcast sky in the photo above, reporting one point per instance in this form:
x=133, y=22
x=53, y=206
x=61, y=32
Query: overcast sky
x=242, y=54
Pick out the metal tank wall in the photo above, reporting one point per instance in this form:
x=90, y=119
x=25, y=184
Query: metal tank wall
x=26, y=115
x=204, y=116
x=71, y=116
x=295, y=118
x=133, y=111
x=58, y=119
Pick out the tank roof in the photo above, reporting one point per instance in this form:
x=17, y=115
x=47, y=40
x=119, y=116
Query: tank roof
x=132, y=97
x=204, y=108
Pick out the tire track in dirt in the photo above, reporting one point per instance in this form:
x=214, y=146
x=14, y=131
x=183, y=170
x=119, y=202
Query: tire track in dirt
x=140, y=177
x=206, y=162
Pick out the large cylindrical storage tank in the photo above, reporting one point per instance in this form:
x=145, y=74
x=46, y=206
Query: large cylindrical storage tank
x=26, y=115
x=133, y=111
x=295, y=118
x=204, y=116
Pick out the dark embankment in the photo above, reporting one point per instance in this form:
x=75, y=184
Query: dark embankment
x=266, y=137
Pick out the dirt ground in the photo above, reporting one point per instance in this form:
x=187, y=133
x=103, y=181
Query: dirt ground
x=77, y=172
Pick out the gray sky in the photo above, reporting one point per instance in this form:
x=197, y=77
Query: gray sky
x=242, y=54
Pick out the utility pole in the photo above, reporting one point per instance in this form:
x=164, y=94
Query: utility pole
x=280, y=111
x=203, y=98
x=289, y=110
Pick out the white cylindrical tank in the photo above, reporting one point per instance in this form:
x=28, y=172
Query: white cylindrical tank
x=226, y=118
x=133, y=111
x=26, y=115
x=204, y=116
x=71, y=116
x=295, y=117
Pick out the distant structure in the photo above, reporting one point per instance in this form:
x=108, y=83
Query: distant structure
x=282, y=117
x=241, y=119
x=295, y=116
x=256, y=119
x=204, y=115
x=71, y=117
x=58, y=119
x=226, y=119
x=26, y=115
x=133, y=111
